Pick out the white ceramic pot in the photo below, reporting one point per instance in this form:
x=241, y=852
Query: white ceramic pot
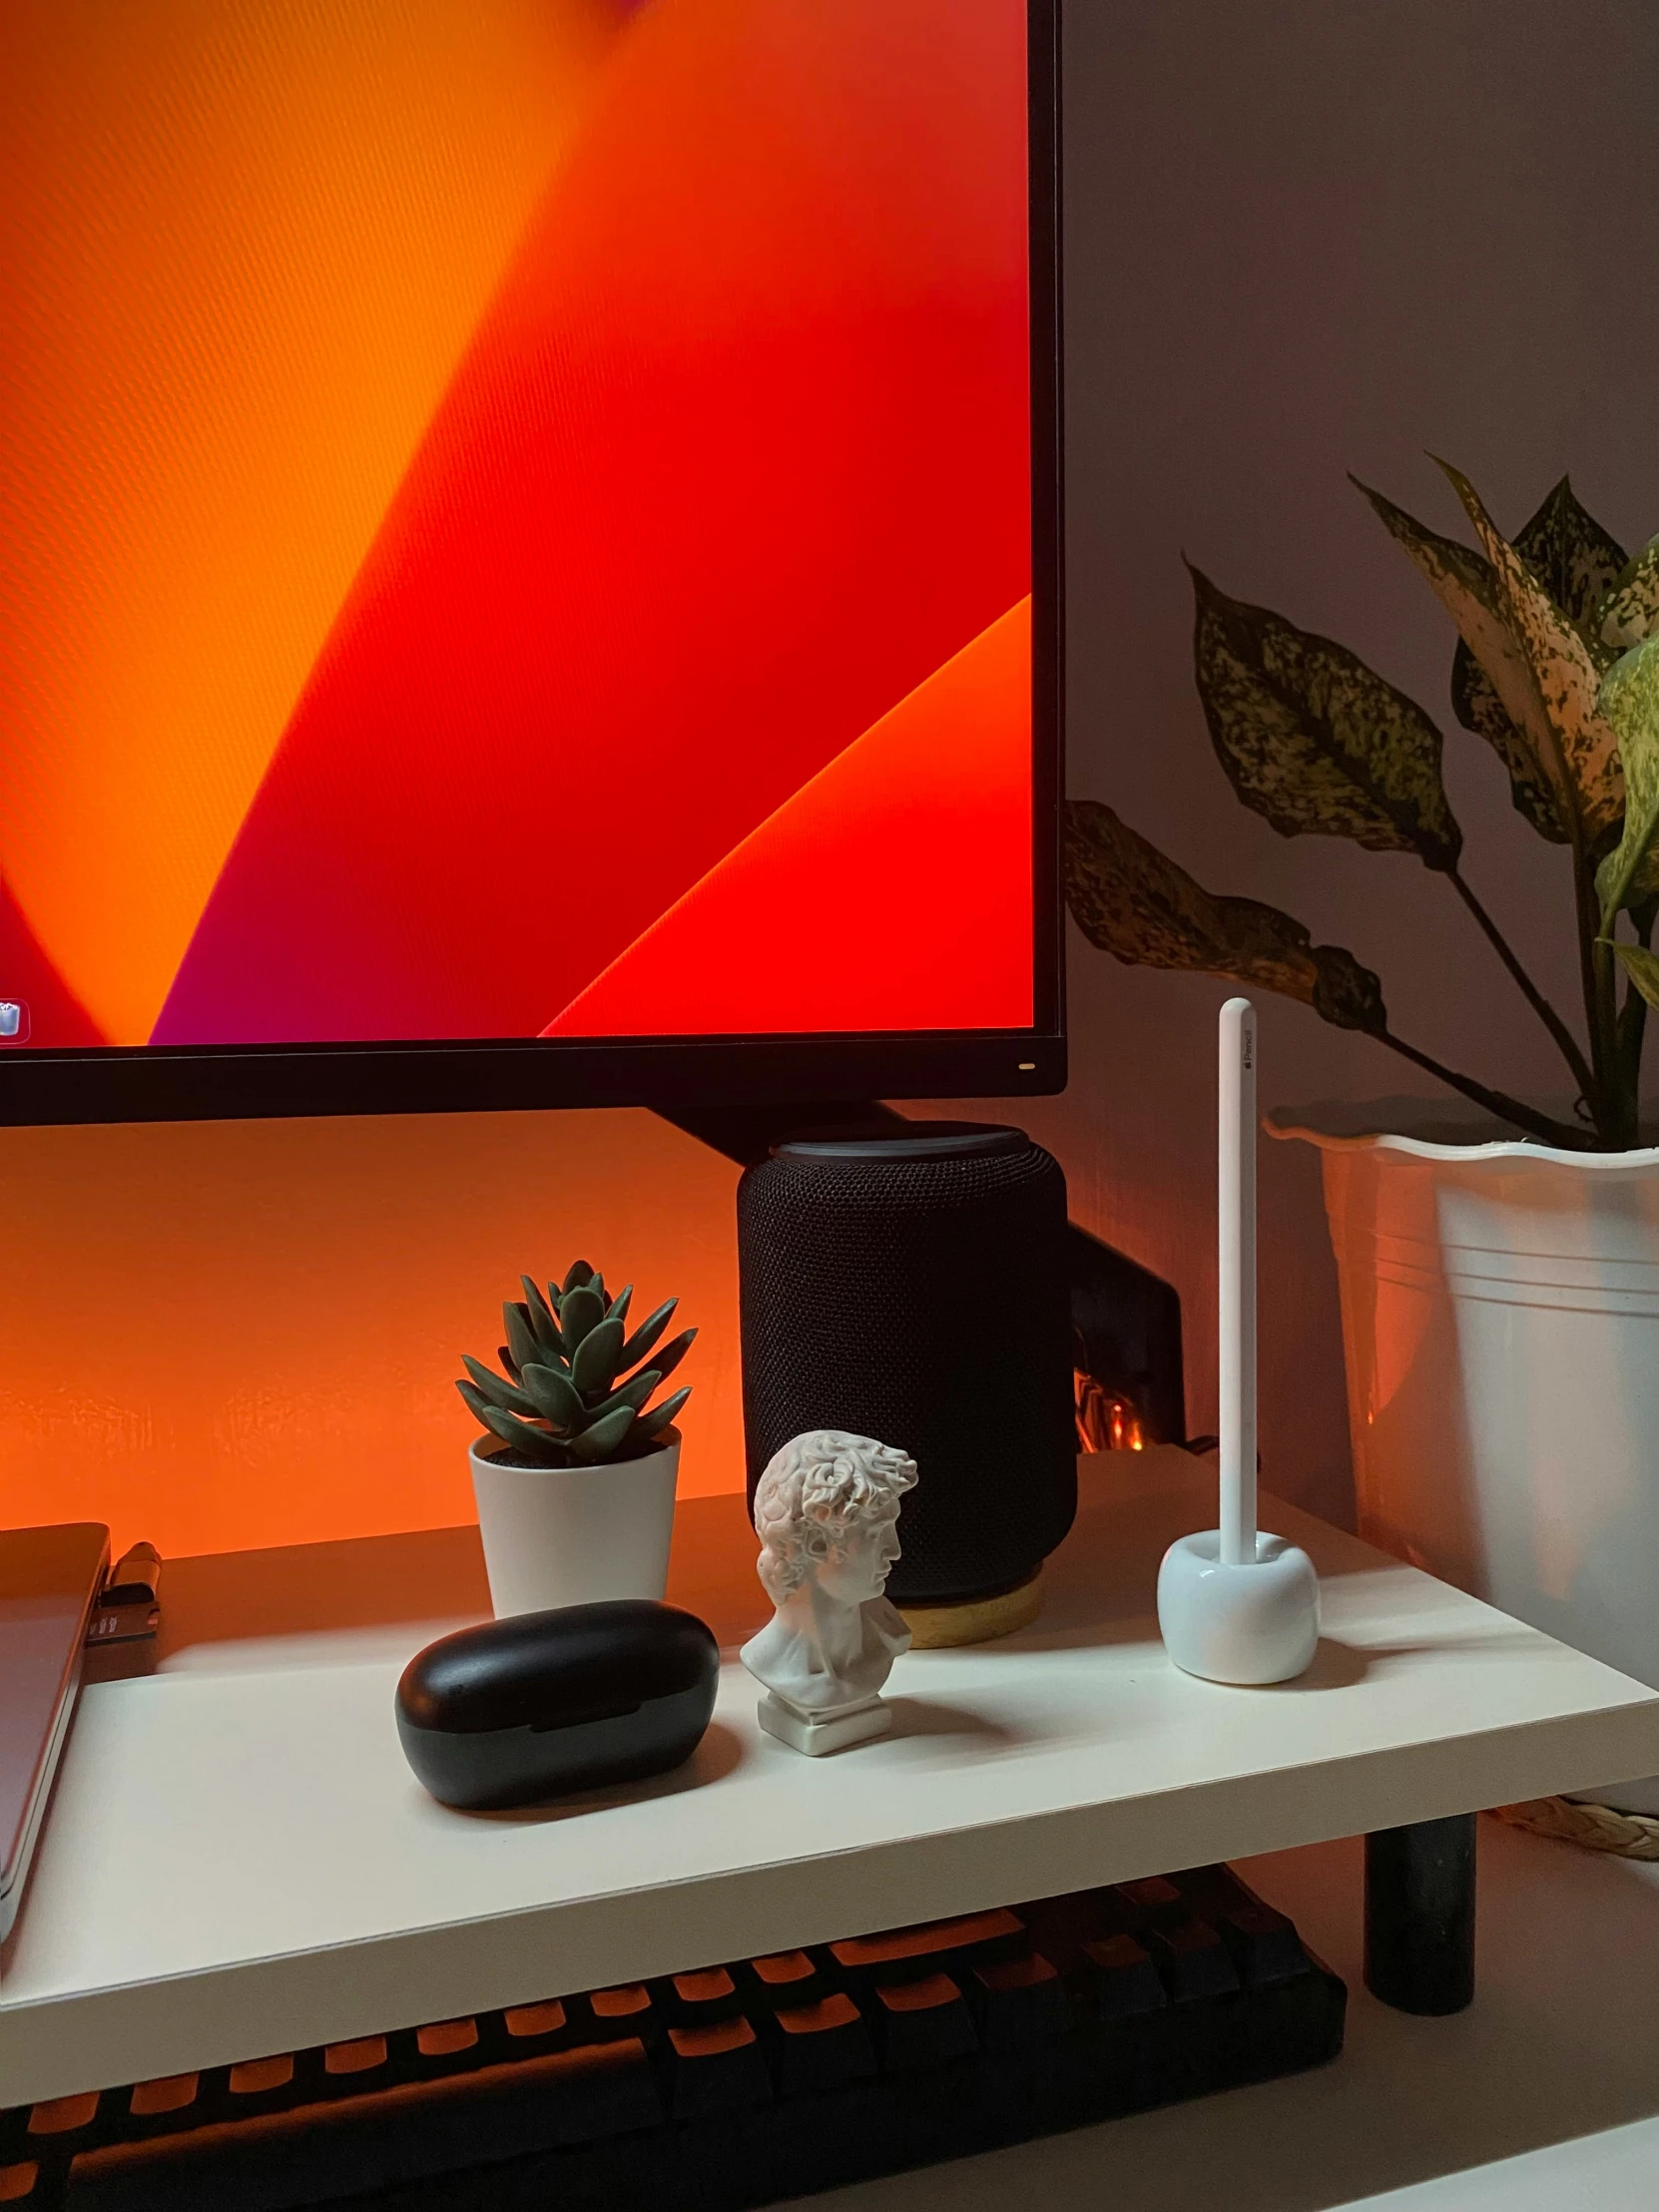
x=570, y=1535
x=1501, y=1321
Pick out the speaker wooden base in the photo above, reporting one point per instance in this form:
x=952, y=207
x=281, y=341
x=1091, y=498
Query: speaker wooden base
x=938, y=1627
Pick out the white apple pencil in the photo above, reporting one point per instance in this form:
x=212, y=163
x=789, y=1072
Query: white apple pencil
x=1236, y=1288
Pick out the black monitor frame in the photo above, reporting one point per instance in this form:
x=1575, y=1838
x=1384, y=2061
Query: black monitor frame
x=199, y=1083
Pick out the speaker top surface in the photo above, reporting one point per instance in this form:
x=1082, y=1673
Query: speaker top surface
x=917, y=1140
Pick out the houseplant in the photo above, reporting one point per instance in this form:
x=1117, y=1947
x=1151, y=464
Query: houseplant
x=575, y=1477
x=1500, y=1298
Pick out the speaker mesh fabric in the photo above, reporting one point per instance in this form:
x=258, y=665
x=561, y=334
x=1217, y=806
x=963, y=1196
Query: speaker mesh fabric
x=923, y=1302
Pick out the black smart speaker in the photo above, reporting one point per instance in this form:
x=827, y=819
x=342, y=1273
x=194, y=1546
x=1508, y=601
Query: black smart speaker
x=910, y=1283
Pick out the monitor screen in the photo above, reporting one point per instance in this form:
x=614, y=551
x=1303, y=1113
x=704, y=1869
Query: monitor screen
x=518, y=523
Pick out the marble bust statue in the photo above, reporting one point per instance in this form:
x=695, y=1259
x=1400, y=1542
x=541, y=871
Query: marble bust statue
x=827, y=1513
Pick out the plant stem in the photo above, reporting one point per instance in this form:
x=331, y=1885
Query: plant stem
x=1607, y=1101
x=1618, y=1104
x=1632, y=1027
x=1495, y=1102
x=1564, y=1039
x=1585, y=906
x=1633, y=1019
x=1594, y=967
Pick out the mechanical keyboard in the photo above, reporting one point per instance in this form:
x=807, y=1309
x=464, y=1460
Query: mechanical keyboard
x=728, y=2087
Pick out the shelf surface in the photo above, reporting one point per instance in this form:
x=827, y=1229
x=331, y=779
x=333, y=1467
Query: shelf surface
x=238, y=1860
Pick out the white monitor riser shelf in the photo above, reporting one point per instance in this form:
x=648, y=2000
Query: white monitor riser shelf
x=239, y=1862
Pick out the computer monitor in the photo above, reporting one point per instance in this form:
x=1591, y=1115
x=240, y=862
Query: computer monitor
x=533, y=532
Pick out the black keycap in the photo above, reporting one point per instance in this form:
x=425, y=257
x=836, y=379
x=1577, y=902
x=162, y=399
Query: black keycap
x=440, y=2048
x=1137, y=1908
x=162, y=2106
x=615, y=2015
x=65, y=2124
x=699, y=1999
x=1059, y=1926
x=1264, y=1945
x=718, y=2068
x=1152, y=1894
x=1120, y=1979
x=350, y=2068
x=254, y=2087
x=923, y=2023
x=529, y=2030
x=786, y=1978
x=589, y=2091
x=1193, y=1959
x=818, y=2047
x=935, y=1947
x=1020, y=2004
x=1209, y=1891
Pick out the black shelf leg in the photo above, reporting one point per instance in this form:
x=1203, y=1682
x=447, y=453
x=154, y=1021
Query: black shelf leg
x=1420, y=1914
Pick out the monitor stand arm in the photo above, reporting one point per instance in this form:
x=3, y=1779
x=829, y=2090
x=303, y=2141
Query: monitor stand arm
x=747, y=1133
x=1126, y=1319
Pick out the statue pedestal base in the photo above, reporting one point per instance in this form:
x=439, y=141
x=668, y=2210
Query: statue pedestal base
x=815, y=1734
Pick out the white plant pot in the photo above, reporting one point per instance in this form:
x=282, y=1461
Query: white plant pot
x=1500, y=1322
x=571, y=1535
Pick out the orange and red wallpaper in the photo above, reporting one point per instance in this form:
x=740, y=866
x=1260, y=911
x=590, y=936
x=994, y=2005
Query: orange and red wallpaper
x=514, y=519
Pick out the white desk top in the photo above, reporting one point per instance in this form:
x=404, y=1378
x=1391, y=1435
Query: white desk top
x=239, y=1862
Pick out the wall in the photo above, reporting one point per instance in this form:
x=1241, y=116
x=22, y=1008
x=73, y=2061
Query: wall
x=237, y=1333
x=1304, y=236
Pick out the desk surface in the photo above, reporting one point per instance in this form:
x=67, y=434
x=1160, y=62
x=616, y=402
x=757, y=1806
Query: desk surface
x=238, y=1860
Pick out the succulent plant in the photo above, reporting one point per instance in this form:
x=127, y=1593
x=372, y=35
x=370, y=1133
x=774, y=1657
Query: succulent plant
x=560, y=1403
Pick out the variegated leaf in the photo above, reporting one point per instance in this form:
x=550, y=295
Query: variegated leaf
x=1583, y=760
x=1569, y=552
x=1629, y=612
x=1313, y=739
x=1574, y=559
x=1630, y=701
x=1642, y=967
x=1492, y=691
x=1132, y=902
x=1475, y=703
x=1346, y=995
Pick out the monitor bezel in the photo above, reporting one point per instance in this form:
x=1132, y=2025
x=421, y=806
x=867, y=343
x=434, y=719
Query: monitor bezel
x=125, y=1083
